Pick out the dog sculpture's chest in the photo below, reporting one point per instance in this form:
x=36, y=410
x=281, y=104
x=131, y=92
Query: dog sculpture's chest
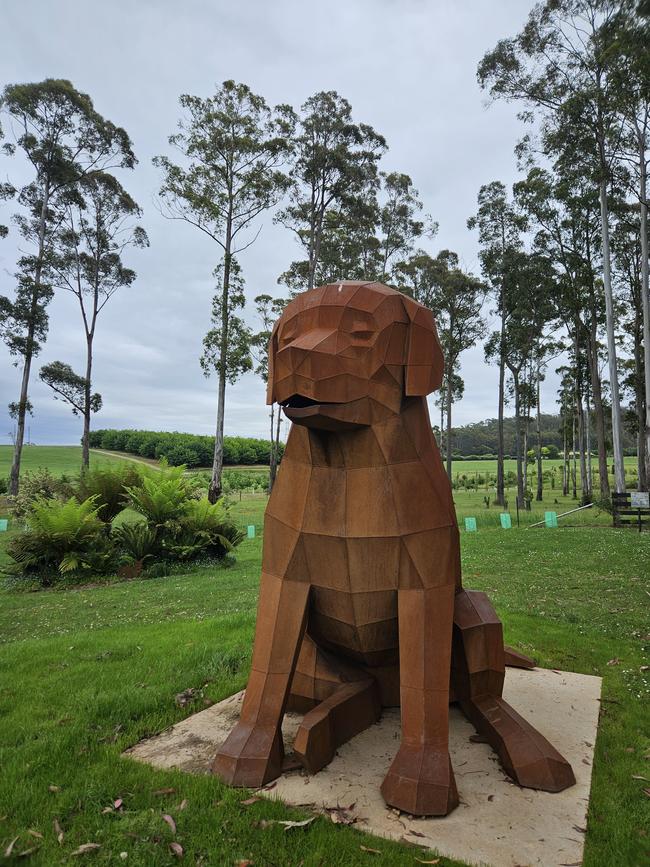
x=356, y=534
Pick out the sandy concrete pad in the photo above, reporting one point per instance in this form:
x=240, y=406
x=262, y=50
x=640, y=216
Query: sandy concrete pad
x=497, y=823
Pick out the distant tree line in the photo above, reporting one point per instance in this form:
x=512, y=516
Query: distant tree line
x=183, y=448
x=481, y=438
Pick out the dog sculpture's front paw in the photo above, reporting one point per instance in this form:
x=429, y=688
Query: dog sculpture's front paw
x=250, y=757
x=421, y=781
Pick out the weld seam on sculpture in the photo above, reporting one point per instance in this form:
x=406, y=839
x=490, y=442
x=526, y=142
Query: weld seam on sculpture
x=361, y=599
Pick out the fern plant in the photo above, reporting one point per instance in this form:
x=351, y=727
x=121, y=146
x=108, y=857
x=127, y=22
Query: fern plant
x=108, y=484
x=61, y=538
x=136, y=540
x=204, y=528
x=162, y=497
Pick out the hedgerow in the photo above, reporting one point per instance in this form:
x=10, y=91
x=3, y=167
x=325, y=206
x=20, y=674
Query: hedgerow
x=176, y=448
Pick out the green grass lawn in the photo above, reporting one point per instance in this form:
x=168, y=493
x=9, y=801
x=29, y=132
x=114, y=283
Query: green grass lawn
x=85, y=673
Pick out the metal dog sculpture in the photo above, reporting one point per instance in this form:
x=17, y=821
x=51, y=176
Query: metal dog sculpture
x=361, y=603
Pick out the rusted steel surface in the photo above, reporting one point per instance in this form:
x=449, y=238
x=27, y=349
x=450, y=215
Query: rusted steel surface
x=361, y=601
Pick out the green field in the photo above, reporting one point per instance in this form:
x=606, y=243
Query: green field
x=59, y=460
x=85, y=673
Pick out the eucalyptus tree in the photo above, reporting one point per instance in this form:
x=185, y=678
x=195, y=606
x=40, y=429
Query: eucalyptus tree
x=63, y=138
x=559, y=63
x=400, y=224
x=230, y=357
x=268, y=310
x=564, y=215
x=72, y=389
x=234, y=149
x=456, y=299
x=628, y=273
x=629, y=63
x=95, y=226
x=334, y=175
x=7, y=190
x=500, y=229
x=529, y=282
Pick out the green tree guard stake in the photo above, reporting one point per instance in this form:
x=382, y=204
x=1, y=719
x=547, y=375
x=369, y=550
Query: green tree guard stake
x=550, y=519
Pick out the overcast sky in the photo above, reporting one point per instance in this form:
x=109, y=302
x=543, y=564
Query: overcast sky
x=408, y=67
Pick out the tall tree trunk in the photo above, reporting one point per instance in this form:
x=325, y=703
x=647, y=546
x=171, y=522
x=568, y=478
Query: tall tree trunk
x=449, y=399
x=639, y=399
x=275, y=446
x=565, y=455
x=14, y=477
x=617, y=441
x=85, y=439
x=538, y=430
x=574, y=469
x=645, y=297
x=581, y=417
x=520, y=475
x=599, y=413
x=214, y=489
x=590, y=480
x=500, y=498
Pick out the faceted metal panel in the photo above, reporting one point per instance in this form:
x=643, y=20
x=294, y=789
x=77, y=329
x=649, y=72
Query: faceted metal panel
x=361, y=599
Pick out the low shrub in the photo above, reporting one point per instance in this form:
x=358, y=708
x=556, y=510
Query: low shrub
x=4, y=486
x=38, y=485
x=63, y=538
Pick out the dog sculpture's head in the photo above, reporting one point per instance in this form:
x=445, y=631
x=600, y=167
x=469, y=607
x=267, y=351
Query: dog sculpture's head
x=345, y=355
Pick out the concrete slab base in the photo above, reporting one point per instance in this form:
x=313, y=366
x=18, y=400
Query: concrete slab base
x=497, y=823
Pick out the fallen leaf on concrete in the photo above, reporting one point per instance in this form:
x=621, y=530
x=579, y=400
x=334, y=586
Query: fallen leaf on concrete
x=416, y=833
x=85, y=848
x=167, y=818
x=340, y=816
x=579, y=829
x=176, y=849
x=368, y=849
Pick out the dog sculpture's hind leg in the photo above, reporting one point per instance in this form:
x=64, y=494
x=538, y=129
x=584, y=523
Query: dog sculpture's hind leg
x=478, y=671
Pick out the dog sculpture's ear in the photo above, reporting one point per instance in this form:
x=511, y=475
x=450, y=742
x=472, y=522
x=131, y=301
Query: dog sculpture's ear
x=424, y=358
x=273, y=346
